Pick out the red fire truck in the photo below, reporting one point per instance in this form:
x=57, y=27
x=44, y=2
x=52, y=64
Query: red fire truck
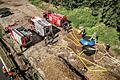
x=57, y=19
x=22, y=36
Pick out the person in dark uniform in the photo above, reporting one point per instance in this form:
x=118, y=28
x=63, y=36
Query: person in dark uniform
x=65, y=25
x=96, y=37
x=84, y=69
x=4, y=70
x=83, y=33
x=49, y=38
x=107, y=47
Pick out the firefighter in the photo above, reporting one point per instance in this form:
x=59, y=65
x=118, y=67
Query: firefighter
x=46, y=41
x=83, y=33
x=4, y=70
x=107, y=47
x=65, y=25
x=95, y=36
x=96, y=39
x=10, y=73
x=84, y=69
x=13, y=69
x=45, y=15
x=49, y=38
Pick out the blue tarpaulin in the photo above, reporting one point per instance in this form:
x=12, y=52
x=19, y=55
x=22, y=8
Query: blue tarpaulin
x=87, y=41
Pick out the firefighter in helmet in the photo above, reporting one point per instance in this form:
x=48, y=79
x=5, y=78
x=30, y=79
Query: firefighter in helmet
x=49, y=38
x=10, y=73
x=107, y=47
x=65, y=25
x=83, y=33
x=4, y=70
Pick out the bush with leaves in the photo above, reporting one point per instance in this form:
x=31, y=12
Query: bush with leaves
x=80, y=17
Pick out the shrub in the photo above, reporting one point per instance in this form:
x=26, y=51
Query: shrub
x=80, y=17
x=106, y=34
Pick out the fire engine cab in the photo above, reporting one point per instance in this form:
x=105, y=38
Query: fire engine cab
x=43, y=28
x=22, y=36
x=57, y=19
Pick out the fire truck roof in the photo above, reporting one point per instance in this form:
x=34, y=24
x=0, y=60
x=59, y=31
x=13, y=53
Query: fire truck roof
x=41, y=21
x=20, y=30
x=60, y=16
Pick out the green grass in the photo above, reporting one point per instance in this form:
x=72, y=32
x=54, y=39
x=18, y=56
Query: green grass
x=35, y=2
x=116, y=50
x=105, y=34
x=80, y=17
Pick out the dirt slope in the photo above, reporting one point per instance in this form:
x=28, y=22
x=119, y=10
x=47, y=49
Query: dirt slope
x=14, y=2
